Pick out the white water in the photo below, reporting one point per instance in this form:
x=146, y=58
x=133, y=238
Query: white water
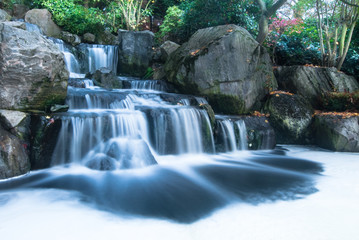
x=330, y=214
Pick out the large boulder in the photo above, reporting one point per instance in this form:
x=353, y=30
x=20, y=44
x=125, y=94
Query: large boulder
x=14, y=159
x=4, y=16
x=337, y=133
x=135, y=52
x=290, y=116
x=43, y=19
x=33, y=74
x=225, y=63
x=313, y=82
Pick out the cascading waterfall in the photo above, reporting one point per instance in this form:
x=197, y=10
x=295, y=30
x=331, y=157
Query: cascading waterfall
x=154, y=150
x=100, y=122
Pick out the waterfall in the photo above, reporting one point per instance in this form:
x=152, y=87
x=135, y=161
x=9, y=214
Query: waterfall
x=232, y=133
x=96, y=56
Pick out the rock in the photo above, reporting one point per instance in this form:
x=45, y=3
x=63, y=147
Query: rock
x=89, y=38
x=224, y=62
x=20, y=25
x=260, y=134
x=290, y=116
x=19, y=11
x=313, y=82
x=45, y=131
x=105, y=78
x=43, y=19
x=337, y=133
x=107, y=38
x=18, y=124
x=167, y=48
x=59, y=108
x=12, y=118
x=33, y=74
x=14, y=160
x=70, y=38
x=158, y=72
x=135, y=52
x=4, y=16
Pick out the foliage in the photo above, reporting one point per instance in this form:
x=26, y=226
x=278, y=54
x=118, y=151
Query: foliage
x=197, y=14
x=160, y=7
x=171, y=24
x=73, y=17
x=340, y=101
x=280, y=27
x=133, y=13
x=336, y=23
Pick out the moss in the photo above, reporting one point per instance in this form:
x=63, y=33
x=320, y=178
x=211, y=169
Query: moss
x=226, y=104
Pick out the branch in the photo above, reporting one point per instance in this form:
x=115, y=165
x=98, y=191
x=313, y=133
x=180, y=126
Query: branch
x=275, y=7
x=350, y=4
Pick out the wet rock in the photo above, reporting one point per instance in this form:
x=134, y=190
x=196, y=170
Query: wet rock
x=105, y=78
x=43, y=19
x=222, y=61
x=101, y=162
x=44, y=134
x=14, y=159
x=313, y=82
x=33, y=75
x=70, y=38
x=89, y=38
x=337, y=133
x=59, y=108
x=290, y=116
x=260, y=134
x=135, y=52
x=4, y=16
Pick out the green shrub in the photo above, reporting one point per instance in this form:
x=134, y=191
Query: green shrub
x=169, y=30
x=199, y=14
x=340, y=101
x=73, y=17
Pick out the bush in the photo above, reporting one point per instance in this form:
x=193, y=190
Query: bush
x=199, y=14
x=73, y=17
x=340, y=101
x=169, y=30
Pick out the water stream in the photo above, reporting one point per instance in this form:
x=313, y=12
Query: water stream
x=144, y=152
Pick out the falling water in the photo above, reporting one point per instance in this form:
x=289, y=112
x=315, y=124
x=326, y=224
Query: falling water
x=145, y=152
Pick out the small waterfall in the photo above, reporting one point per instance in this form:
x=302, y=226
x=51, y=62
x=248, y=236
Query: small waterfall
x=102, y=56
x=232, y=134
x=147, y=85
x=96, y=56
x=84, y=132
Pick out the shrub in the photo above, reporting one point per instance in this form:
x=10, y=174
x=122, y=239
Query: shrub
x=340, y=101
x=171, y=25
x=73, y=17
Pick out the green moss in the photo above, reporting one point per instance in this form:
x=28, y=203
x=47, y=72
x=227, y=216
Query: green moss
x=226, y=104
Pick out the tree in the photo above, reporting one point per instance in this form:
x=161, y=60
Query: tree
x=266, y=13
x=336, y=23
